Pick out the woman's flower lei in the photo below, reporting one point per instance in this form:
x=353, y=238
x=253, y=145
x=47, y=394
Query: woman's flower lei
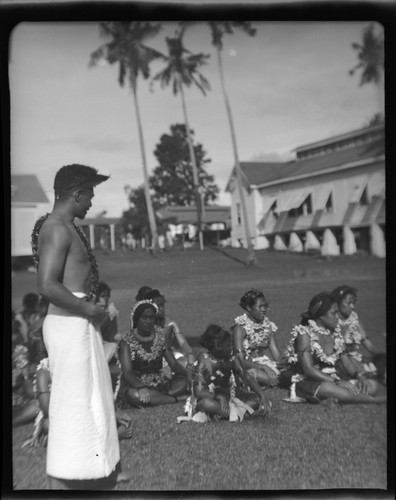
x=87, y=246
x=137, y=349
x=256, y=333
x=350, y=328
x=313, y=331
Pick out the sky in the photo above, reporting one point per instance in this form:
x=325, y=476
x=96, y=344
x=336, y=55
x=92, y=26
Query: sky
x=289, y=85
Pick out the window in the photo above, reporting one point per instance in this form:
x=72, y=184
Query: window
x=238, y=213
x=329, y=207
x=304, y=209
x=364, y=199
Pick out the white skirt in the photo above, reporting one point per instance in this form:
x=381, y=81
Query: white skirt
x=82, y=439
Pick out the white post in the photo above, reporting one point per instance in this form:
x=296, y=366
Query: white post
x=349, y=245
x=92, y=235
x=329, y=245
x=112, y=237
x=377, y=241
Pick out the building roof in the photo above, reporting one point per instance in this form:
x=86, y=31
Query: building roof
x=27, y=189
x=188, y=215
x=259, y=173
x=100, y=221
x=341, y=137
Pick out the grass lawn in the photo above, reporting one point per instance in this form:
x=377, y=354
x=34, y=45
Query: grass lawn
x=301, y=446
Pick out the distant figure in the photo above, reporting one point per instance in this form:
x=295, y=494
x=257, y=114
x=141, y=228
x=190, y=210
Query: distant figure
x=142, y=292
x=82, y=441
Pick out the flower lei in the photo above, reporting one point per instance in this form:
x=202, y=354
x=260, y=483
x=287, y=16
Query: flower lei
x=314, y=331
x=350, y=327
x=137, y=349
x=256, y=333
x=91, y=256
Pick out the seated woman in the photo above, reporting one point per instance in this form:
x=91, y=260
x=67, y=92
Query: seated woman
x=355, y=335
x=316, y=355
x=254, y=335
x=214, y=385
x=175, y=339
x=24, y=406
x=140, y=354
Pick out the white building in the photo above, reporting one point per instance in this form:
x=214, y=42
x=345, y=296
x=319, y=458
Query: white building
x=330, y=198
x=28, y=202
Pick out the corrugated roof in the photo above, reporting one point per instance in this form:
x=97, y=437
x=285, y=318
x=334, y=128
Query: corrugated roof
x=340, y=137
x=257, y=173
x=188, y=215
x=99, y=221
x=27, y=189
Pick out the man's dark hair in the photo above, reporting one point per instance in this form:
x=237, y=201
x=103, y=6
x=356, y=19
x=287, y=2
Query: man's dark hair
x=72, y=177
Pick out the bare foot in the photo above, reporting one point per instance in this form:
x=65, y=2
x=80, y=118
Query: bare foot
x=124, y=432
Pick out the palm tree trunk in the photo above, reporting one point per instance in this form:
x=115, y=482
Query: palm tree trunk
x=194, y=169
x=251, y=256
x=150, y=210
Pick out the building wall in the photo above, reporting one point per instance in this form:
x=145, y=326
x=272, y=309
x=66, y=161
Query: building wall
x=346, y=187
x=23, y=219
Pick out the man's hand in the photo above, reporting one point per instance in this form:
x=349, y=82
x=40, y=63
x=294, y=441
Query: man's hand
x=96, y=315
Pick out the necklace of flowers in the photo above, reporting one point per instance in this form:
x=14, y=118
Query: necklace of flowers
x=314, y=331
x=87, y=247
x=136, y=348
x=352, y=333
x=255, y=332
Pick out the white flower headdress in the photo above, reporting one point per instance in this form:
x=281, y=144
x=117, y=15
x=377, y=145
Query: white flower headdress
x=145, y=301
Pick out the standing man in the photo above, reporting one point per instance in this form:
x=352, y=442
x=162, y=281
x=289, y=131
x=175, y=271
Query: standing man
x=82, y=439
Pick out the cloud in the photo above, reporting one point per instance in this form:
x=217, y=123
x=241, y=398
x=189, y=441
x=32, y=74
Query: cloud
x=85, y=142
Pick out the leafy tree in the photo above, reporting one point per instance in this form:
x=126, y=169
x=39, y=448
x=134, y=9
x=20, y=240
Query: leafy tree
x=127, y=48
x=182, y=70
x=135, y=219
x=172, y=181
x=370, y=53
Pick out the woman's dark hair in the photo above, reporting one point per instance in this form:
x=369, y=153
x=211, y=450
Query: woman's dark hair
x=141, y=292
x=318, y=306
x=249, y=298
x=30, y=300
x=103, y=287
x=214, y=338
x=342, y=291
x=136, y=314
x=153, y=294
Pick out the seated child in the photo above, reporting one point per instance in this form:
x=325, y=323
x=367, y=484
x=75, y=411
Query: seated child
x=214, y=388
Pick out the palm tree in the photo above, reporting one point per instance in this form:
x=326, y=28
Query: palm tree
x=183, y=70
x=370, y=53
x=218, y=30
x=126, y=47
